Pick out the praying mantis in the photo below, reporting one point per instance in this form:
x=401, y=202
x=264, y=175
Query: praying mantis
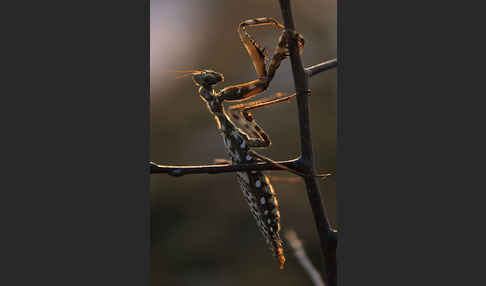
x=240, y=131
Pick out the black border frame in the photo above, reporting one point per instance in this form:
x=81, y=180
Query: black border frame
x=76, y=144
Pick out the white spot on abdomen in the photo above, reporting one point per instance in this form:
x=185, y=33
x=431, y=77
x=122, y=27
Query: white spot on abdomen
x=262, y=200
x=258, y=184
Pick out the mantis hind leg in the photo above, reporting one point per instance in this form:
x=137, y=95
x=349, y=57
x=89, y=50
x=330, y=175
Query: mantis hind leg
x=278, y=97
x=240, y=115
x=256, y=136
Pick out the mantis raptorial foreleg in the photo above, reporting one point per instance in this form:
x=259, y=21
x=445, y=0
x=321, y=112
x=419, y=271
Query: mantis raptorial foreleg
x=258, y=55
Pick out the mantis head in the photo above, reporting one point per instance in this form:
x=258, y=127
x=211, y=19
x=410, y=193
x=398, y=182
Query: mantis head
x=207, y=77
x=202, y=78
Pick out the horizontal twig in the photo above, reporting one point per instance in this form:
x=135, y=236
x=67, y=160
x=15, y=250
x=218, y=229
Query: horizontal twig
x=178, y=171
x=315, y=69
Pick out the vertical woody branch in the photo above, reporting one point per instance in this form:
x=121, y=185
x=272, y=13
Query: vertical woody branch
x=327, y=237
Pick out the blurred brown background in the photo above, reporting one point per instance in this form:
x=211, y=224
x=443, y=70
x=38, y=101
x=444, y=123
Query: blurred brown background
x=201, y=229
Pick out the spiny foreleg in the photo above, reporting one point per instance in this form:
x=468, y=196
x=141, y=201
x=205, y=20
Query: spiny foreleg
x=281, y=51
x=257, y=54
x=243, y=91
